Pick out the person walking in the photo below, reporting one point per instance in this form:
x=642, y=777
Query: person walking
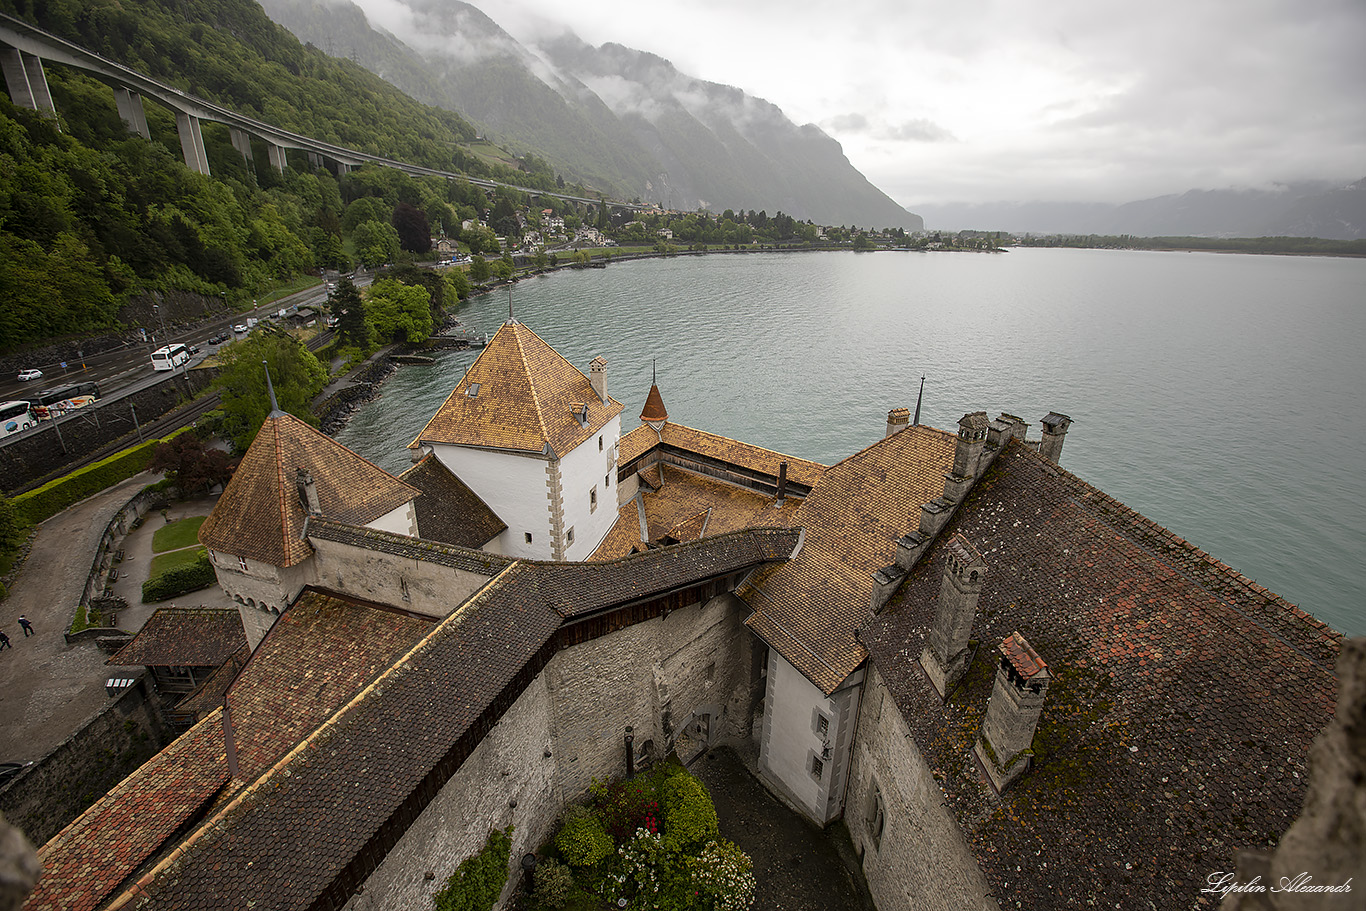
x=28, y=627
x=4, y=641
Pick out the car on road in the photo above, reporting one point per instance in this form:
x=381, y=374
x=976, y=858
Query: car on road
x=240, y=328
x=26, y=375
x=194, y=349
x=220, y=338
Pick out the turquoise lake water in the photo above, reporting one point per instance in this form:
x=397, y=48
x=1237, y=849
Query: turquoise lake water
x=1220, y=395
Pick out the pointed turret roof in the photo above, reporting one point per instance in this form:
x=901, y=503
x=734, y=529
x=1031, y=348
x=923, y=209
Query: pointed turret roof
x=654, y=409
x=260, y=514
x=520, y=394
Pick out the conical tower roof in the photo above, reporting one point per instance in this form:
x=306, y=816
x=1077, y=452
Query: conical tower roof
x=522, y=395
x=654, y=406
x=260, y=514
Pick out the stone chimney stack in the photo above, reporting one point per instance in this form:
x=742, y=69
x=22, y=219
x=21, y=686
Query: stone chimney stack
x=1003, y=428
x=308, y=492
x=945, y=656
x=1054, y=429
x=972, y=436
x=597, y=377
x=885, y=583
x=898, y=419
x=1004, y=746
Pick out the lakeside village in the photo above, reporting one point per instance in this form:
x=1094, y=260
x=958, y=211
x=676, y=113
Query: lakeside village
x=1001, y=685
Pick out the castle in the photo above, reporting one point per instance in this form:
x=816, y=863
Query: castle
x=1013, y=690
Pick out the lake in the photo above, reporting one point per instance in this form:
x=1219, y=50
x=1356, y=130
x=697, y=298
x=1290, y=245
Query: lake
x=1219, y=395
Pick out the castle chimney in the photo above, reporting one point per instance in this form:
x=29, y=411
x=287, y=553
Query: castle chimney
x=898, y=419
x=909, y=547
x=1003, y=428
x=308, y=492
x=972, y=436
x=782, y=482
x=1004, y=744
x=597, y=377
x=945, y=656
x=1054, y=429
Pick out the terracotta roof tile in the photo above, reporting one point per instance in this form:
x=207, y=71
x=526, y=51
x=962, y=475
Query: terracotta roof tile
x=525, y=390
x=447, y=510
x=1022, y=656
x=1182, y=702
x=260, y=515
x=85, y=862
x=654, y=409
x=387, y=542
x=809, y=608
x=680, y=439
x=184, y=637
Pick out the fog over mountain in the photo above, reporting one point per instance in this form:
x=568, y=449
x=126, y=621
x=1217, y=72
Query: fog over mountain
x=621, y=120
x=1304, y=209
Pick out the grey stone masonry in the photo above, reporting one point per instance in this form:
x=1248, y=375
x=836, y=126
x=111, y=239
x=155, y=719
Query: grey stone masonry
x=885, y=583
x=933, y=516
x=1003, y=428
x=909, y=548
x=945, y=656
x=597, y=372
x=1004, y=745
x=1054, y=430
x=972, y=436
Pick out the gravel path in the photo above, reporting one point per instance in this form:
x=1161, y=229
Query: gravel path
x=48, y=688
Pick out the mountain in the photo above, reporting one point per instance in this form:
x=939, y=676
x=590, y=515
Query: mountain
x=620, y=120
x=1308, y=209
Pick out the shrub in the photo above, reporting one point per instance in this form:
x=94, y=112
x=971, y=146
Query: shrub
x=479, y=880
x=689, y=816
x=724, y=877
x=582, y=841
x=554, y=884
x=179, y=580
x=630, y=805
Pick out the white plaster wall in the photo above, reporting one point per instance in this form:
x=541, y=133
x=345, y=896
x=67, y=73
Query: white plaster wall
x=262, y=592
x=508, y=765
x=432, y=589
x=514, y=487
x=789, y=738
x=582, y=469
x=923, y=862
x=400, y=521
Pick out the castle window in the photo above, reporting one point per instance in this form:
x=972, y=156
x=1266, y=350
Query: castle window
x=817, y=767
x=599, y=444
x=569, y=536
x=593, y=500
x=822, y=726
x=242, y=563
x=877, y=818
x=403, y=589
x=607, y=480
x=528, y=537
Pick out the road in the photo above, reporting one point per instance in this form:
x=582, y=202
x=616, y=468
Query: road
x=120, y=373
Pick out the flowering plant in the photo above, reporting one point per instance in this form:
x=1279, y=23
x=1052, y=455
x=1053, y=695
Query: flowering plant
x=724, y=876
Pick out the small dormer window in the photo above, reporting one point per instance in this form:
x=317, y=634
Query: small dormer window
x=472, y=390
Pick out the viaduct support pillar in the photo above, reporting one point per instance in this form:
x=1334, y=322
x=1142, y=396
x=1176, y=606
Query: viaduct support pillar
x=315, y=161
x=277, y=156
x=130, y=109
x=241, y=141
x=192, y=142
x=26, y=81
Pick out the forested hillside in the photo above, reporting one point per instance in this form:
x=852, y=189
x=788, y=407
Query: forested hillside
x=91, y=216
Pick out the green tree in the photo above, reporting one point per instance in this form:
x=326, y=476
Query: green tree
x=376, y=243
x=297, y=375
x=397, y=312
x=349, y=309
x=479, y=268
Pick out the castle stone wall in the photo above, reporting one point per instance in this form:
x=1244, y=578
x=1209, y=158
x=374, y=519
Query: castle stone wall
x=427, y=588
x=921, y=862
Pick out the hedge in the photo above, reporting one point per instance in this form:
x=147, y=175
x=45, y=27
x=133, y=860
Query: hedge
x=479, y=880
x=179, y=580
x=54, y=496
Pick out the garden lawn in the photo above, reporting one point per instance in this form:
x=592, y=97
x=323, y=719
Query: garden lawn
x=178, y=534
x=175, y=558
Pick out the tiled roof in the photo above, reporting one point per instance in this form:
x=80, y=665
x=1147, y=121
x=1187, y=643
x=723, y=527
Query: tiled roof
x=184, y=637
x=285, y=838
x=654, y=409
x=525, y=390
x=809, y=607
x=387, y=542
x=259, y=514
x=323, y=649
x=85, y=862
x=1182, y=703
x=208, y=696
x=754, y=459
x=447, y=510
x=681, y=501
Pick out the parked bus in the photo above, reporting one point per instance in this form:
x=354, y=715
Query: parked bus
x=170, y=357
x=59, y=399
x=16, y=416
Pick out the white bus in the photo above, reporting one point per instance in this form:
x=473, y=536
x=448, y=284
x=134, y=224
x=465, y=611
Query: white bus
x=16, y=416
x=170, y=357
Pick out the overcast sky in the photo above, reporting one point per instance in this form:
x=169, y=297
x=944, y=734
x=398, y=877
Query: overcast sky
x=990, y=100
